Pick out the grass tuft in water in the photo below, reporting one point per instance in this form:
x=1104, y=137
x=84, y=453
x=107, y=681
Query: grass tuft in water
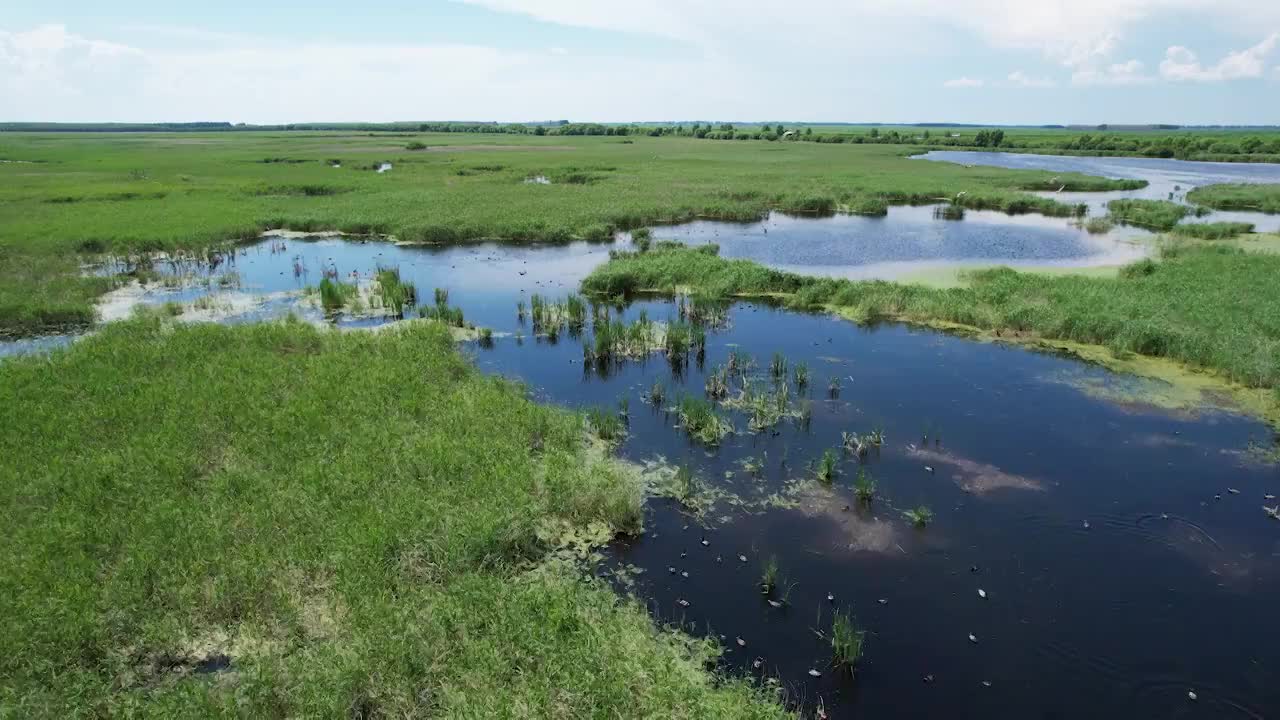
x=919, y=516
x=770, y=576
x=864, y=487
x=606, y=424
x=847, y=640
x=826, y=470
x=700, y=420
x=335, y=295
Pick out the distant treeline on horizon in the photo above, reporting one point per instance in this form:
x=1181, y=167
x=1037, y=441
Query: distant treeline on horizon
x=532, y=127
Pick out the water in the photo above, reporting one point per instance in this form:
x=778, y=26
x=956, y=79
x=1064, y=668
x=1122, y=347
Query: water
x=1168, y=588
x=911, y=241
x=1167, y=179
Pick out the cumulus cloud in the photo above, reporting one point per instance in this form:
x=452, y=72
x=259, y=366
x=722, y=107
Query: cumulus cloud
x=1181, y=64
x=964, y=82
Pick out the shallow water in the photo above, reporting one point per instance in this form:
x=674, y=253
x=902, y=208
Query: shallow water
x=1168, y=589
x=911, y=240
x=1167, y=179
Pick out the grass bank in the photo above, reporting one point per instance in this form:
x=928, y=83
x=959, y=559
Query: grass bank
x=77, y=195
x=279, y=521
x=1256, y=198
x=1213, y=308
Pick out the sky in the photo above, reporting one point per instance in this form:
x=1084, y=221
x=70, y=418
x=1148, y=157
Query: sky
x=896, y=61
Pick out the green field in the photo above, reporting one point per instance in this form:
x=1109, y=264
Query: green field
x=75, y=195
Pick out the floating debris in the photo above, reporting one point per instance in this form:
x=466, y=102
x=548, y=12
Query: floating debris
x=742, y=643
x=883, y=601
x=742, y=558
x=672, y=570
x=831, y=597
x=928, y=469
x=683, y=554
x=706, y=543
x=814, y=673
x=719, y=559
x=982, y=593
x=973, y=568
x=755, y=664
x=986, y=683
x=927, y=679
x=973, y=638
x=775, y=604
x=1233, y=491
x=1273, y=512
x=1191, y=695
x=1268, y=497
x=1086, y=524
x=684, y=574
x=685, y=603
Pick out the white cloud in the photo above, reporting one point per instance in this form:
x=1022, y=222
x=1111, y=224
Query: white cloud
x=964, y=82
x=559, y=51
x=1017, y=78
x=1181, y=64
x=1125, y=73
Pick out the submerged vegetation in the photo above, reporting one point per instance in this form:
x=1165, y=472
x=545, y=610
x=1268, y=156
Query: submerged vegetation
x=350, y=541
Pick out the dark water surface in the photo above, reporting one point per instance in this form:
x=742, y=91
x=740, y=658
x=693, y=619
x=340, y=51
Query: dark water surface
x=1116, y=583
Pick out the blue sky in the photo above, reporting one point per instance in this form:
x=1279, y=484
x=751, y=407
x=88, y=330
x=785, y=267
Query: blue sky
x=990, y=61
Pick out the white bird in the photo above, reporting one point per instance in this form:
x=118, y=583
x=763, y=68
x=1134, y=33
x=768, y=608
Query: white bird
x=982, y=593
x=814, y=673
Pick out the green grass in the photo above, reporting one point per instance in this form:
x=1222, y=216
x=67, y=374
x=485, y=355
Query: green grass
x=1209, y=307
x=847, y=640
x=826, y=470
x=700, y=420
x=335, y=295
x=359, y=545
x=133, y=193
x=1213, y=231
x=395, y=294
x=919, y=516
x=864, y=487
x=1258, y=198
x=1158, y=215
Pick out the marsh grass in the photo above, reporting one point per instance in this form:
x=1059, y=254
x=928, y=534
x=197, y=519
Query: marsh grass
x=826, y=468
x=864, y=487
x=1248, y=197
x=335, y=295
x=1159, y=215
x=700, y=420
x=770, y=576
x=207, y=198
x=919, y=516
x=1213, y=231
x=847, y=640
x=355, y=544
x=801, y=375
x=394, y=293
x=1098, y=225
x=606, y=424
x=1187, y=307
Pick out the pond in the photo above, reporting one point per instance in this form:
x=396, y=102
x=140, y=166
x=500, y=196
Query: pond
x=1121, y=550
x=1166, y=179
